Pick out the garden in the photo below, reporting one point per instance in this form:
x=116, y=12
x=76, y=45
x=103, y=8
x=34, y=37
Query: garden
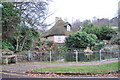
x=91, y=43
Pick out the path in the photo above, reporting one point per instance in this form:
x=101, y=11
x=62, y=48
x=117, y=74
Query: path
x=28, y=66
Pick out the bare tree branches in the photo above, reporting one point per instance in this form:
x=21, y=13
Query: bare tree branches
x=33, y=14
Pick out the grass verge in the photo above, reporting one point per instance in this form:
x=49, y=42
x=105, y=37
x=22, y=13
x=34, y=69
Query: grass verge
x=95, y=69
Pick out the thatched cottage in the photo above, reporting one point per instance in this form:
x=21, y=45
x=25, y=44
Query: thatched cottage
x=58, y=32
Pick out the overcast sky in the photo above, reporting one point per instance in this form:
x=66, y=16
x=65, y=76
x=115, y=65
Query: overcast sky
x=83, y=9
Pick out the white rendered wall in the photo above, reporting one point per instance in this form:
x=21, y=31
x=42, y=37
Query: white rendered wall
x=59, y=39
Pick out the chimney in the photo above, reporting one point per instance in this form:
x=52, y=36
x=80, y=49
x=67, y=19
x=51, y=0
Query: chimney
x=57, y=19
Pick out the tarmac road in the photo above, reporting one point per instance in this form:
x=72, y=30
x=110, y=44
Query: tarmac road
x=14, y=76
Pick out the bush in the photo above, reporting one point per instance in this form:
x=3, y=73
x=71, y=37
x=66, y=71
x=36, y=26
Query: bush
x=102, y=32
x=93, y=36
x=106, y=32
x=79, y=40
x=99, y=45
x=7, y=45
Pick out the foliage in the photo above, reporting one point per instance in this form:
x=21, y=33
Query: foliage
x=79, y=40
x=15, y=18
x=60, y=48
x=26, y=37
x=106, y=32
x=94, y=30
x=10, y=20
x=93, y=36
x=7, y=45
x=86, y=24
x=102, y=32
x=99, y=45
x=9, y=10
x=116, y=41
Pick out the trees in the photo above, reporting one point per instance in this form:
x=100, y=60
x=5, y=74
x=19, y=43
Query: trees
x=86, y=24
x=21, y=21
x=10, y=20
x=80, y=40
x=106, y=32
x=76, y=25
x=102, y=32
x=33, y=14
x=25, y=37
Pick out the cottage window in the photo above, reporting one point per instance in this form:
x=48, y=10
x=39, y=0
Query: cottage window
x=68, y=28
x=59, y=39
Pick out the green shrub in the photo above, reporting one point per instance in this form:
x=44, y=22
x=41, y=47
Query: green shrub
x=102, y=32
x=99, y=44
x=93, y=36
x=79, y=40
x=7, y=45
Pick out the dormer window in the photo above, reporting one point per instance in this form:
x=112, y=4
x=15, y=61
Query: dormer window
x=68, y=28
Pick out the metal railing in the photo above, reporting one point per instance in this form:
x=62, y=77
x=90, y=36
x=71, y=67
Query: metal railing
x=72, y=56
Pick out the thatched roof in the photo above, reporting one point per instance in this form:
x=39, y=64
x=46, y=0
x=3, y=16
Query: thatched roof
x=59, y=29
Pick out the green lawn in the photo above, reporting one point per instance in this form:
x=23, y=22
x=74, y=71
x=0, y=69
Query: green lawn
x=104, y=68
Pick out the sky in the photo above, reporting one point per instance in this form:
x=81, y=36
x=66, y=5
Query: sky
x=71, y=10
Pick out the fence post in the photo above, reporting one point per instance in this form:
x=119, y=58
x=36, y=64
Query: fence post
x=50, y=56
x=76, y=55
x=100, y=55
x=29, y=55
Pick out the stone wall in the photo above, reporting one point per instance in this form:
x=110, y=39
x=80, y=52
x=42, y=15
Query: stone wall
x=22, y=58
